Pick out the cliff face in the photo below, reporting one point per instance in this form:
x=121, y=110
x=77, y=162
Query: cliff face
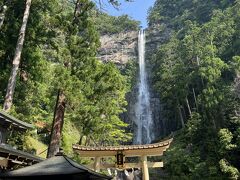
x=155, y=36
x=118, y=48
x=123, y=47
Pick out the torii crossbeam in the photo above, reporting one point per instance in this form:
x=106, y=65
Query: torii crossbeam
x=120, y=152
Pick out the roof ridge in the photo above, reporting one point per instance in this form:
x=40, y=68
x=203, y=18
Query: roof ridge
x=69, y=161
x=72, y=162
x=134, y=146
x=15, y=120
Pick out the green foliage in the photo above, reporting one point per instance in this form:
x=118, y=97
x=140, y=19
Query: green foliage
x=60, y=53
x=196, y=72
x=193, y=126
x=70, y=136
x=232, y=172
x=175, y=12
x=225, y=138
x=33, y=145
x=183, y=161
x=107, y=24
x=130, y=72
x=235, y=64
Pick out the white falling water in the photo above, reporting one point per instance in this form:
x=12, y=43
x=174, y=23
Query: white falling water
x=142, y=110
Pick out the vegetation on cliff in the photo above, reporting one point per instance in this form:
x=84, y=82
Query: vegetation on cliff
x=196, y=72
x=107, y=24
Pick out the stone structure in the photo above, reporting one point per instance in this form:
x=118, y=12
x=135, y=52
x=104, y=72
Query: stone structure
x=10, y=156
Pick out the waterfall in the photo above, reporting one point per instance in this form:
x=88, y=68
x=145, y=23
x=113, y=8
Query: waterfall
x=143, y=115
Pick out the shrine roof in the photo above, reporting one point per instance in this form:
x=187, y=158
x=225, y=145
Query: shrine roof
x=155, y=149
x=8, y=119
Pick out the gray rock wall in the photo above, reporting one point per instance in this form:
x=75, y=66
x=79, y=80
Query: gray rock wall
x=118, y=48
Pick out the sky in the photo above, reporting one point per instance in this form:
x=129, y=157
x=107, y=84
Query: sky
x=137, y=10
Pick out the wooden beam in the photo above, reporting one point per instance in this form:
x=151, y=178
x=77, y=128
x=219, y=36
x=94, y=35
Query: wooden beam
x=155, y=164
x=138, y=165
x=128, y=153
x=18, y=162
x=129, y=165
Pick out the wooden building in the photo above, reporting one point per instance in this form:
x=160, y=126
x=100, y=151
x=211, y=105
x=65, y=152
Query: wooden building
x=57, y=167
x=10, y=156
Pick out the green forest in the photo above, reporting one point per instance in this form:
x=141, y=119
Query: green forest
x=195, y=72
x=59, y=56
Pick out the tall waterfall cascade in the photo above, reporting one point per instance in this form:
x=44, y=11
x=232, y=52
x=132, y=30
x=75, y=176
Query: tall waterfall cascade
x=143, y=116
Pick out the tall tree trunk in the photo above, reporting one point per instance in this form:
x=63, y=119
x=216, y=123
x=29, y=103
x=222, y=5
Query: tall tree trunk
x=77, y=9
x=195, y=99
x=57, y=125
x=2, y=14
x=58, y=120
x=198, y=64
x=3, y=10
x=188, y=106
x=181, y=117
x=16, y=60
x=80, y=140
x=180, y=114
x=184, y=112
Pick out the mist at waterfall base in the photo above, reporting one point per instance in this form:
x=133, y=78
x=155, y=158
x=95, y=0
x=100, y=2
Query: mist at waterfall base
x=143, y=116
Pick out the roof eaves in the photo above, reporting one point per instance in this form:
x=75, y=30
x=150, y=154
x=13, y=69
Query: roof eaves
x=127, y=147
x=81, y=167
x=10, y=150
x=14, y=120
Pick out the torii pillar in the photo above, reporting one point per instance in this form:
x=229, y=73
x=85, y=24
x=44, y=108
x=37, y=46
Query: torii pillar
x=145, y=168
x=97, y=164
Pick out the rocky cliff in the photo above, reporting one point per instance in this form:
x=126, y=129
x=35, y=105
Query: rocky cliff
x=118, y=48
x=155, y=36
x=122, y=47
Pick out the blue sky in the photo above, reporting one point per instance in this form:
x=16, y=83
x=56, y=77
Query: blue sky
x=136, y=9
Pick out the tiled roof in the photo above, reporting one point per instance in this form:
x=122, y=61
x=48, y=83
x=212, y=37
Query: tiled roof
x=55, y=166
x=121, y=148
x=12, y=120
x=13, y=154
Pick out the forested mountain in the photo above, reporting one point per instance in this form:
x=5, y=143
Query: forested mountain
x=196, y=73
x=48, y=67
x=59, y=56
